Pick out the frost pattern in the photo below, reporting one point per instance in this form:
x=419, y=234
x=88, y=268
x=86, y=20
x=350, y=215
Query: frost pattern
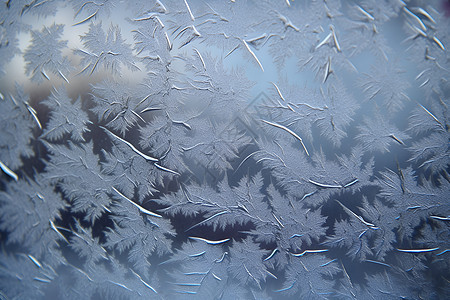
x=139, y=160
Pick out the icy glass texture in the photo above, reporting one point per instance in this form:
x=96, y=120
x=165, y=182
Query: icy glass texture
x=190, y=149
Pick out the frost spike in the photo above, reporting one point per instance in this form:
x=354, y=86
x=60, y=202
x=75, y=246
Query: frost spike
x=421, y=73
x=307, y=195
x=34, y=114
x=166, y=169
x=42, y=280
x=45, y=74
x=189, y=10
x=197, y=255
x=424, y=83
x=440, y=218
x=13, y=99
x=428, y=56
x=370, y=225
x=160, y=23
x=425, y=13
x=418, y=250
x=309, y=251
x=209, y=241
x=52, y=225
x=206, y=220
x=145, y=283
x=271, y=254
x=402, y=179
x=271, y=274
x=416, y=18
x=192, y=147
x=35, y=261
x=307, y=105
x=396, y=139
x=278, y=91
x=417, y=30
x=186, y=284
x=365, y=13
x=137, y=115
x=169, y=44
x=351, y=183
x=278, y=221
x=222, y=258
x=163, y=8
x=143, y=210
x=183, y=30
x=149, y=17
x=84, y=273
x=231, y=51
x=196, y=273
x=150, y=109
x=327, y=263
x=338, y=47
x=146, y=157
x=324, y=185
x=325, y=40
x=64, y=77
x=328, y=70
x=377, y=262
x=201, y=58
x=248, y=156
x=286, y=288
x=287, y=23
x=179, y=122
x=289, y=131
x=437, y=41
x=250, y=274
x=8, y=171
x=120, y=285
x=253, y=54
x=96, y=63
x=87, y=19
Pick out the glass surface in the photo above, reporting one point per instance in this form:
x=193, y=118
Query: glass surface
x=198, y=149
